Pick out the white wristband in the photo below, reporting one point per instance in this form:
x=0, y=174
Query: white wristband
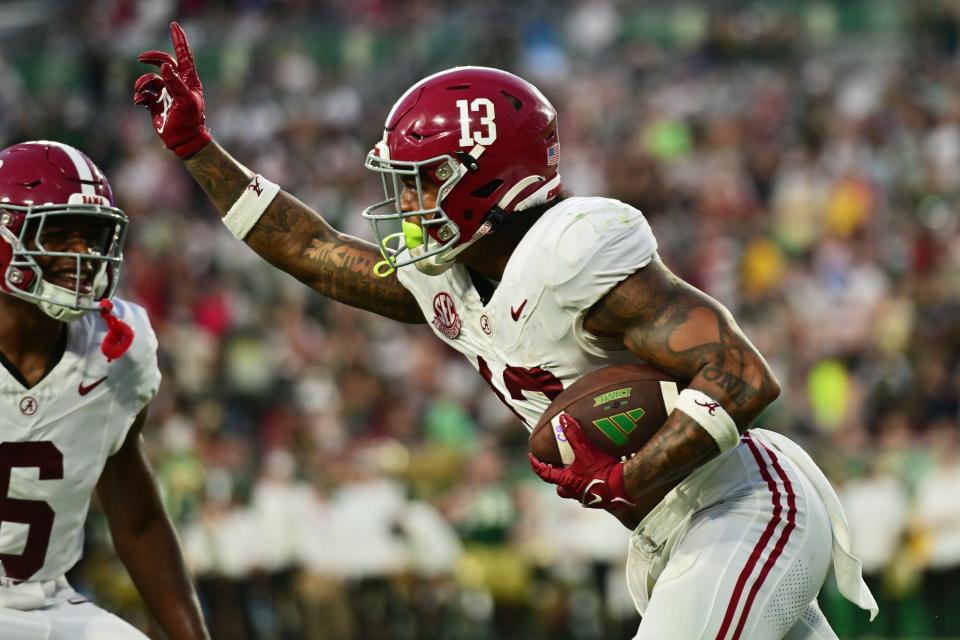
x=711, y=416
x=250, y=206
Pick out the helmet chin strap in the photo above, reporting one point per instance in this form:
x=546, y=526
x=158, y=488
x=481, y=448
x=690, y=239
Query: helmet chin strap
x=119, y=334
x=438, y=263
x=418, y=242
x=58, y=302
x=432, y=265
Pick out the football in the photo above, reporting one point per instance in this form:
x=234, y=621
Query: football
x=619, y=408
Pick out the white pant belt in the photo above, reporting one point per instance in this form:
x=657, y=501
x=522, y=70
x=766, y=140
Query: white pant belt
x=27, y=595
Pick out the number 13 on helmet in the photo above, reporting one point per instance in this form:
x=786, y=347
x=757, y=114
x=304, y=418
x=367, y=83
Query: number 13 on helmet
x=489, y=140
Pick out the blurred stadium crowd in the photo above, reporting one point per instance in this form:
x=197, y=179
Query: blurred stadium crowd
x=334, y=475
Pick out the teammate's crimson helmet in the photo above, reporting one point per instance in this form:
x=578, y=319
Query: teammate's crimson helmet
x=46, y=187
x=486, y=136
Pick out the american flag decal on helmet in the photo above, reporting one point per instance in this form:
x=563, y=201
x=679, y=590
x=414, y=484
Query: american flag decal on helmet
x=553, y=154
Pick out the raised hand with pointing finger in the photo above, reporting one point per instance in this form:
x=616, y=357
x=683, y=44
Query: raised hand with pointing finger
x=174, y=97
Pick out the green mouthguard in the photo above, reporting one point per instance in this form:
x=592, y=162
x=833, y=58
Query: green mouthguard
x=412, y=234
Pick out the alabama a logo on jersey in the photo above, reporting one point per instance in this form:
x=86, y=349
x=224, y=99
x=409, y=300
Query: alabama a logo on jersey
x=445, y=317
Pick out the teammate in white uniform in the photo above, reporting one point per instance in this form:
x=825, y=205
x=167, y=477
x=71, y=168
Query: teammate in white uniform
x=732, y=537
x=78, y=371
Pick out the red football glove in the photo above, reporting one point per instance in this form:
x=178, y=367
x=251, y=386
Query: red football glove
x=595, y=477
x=175, y=97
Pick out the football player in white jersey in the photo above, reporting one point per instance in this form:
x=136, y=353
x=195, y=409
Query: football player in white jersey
x=732, y=536
x=77, y=371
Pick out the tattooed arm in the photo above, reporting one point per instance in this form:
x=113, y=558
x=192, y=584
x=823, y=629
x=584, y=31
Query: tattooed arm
x=289, y=235
x=686, y=333
x=294, y=238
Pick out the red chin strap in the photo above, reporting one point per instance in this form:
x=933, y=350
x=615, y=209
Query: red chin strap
x=119, y=334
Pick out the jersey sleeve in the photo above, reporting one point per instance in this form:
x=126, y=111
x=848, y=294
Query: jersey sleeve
x=594, y=252
x=142, y=379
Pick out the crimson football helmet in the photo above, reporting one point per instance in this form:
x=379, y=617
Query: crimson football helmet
x=487, y=137
x=46, y=189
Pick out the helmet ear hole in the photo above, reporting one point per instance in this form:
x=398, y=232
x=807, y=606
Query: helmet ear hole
x=485, y=191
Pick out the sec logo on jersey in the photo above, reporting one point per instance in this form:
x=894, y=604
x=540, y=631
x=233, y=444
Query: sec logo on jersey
x=445, y=317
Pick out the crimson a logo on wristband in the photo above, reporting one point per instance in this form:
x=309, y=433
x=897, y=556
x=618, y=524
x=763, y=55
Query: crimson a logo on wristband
x=711, y=407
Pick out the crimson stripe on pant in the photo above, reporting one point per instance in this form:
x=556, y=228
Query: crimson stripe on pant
x=762, y=543
x=784, y=535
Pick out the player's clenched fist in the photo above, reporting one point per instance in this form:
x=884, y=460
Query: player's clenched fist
x=595, y=478
x=174, y=97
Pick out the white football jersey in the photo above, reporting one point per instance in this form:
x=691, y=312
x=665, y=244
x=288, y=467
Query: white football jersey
x=528, y=341
x=56, y=437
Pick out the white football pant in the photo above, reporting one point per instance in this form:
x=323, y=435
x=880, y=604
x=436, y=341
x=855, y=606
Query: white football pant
x=738, y=551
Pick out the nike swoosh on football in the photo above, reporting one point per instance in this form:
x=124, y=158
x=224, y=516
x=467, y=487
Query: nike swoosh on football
x=515, y=313
x=85, y=389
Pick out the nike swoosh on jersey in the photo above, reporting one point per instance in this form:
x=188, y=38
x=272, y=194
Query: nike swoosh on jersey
x=515, y=313
x=85, y=389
